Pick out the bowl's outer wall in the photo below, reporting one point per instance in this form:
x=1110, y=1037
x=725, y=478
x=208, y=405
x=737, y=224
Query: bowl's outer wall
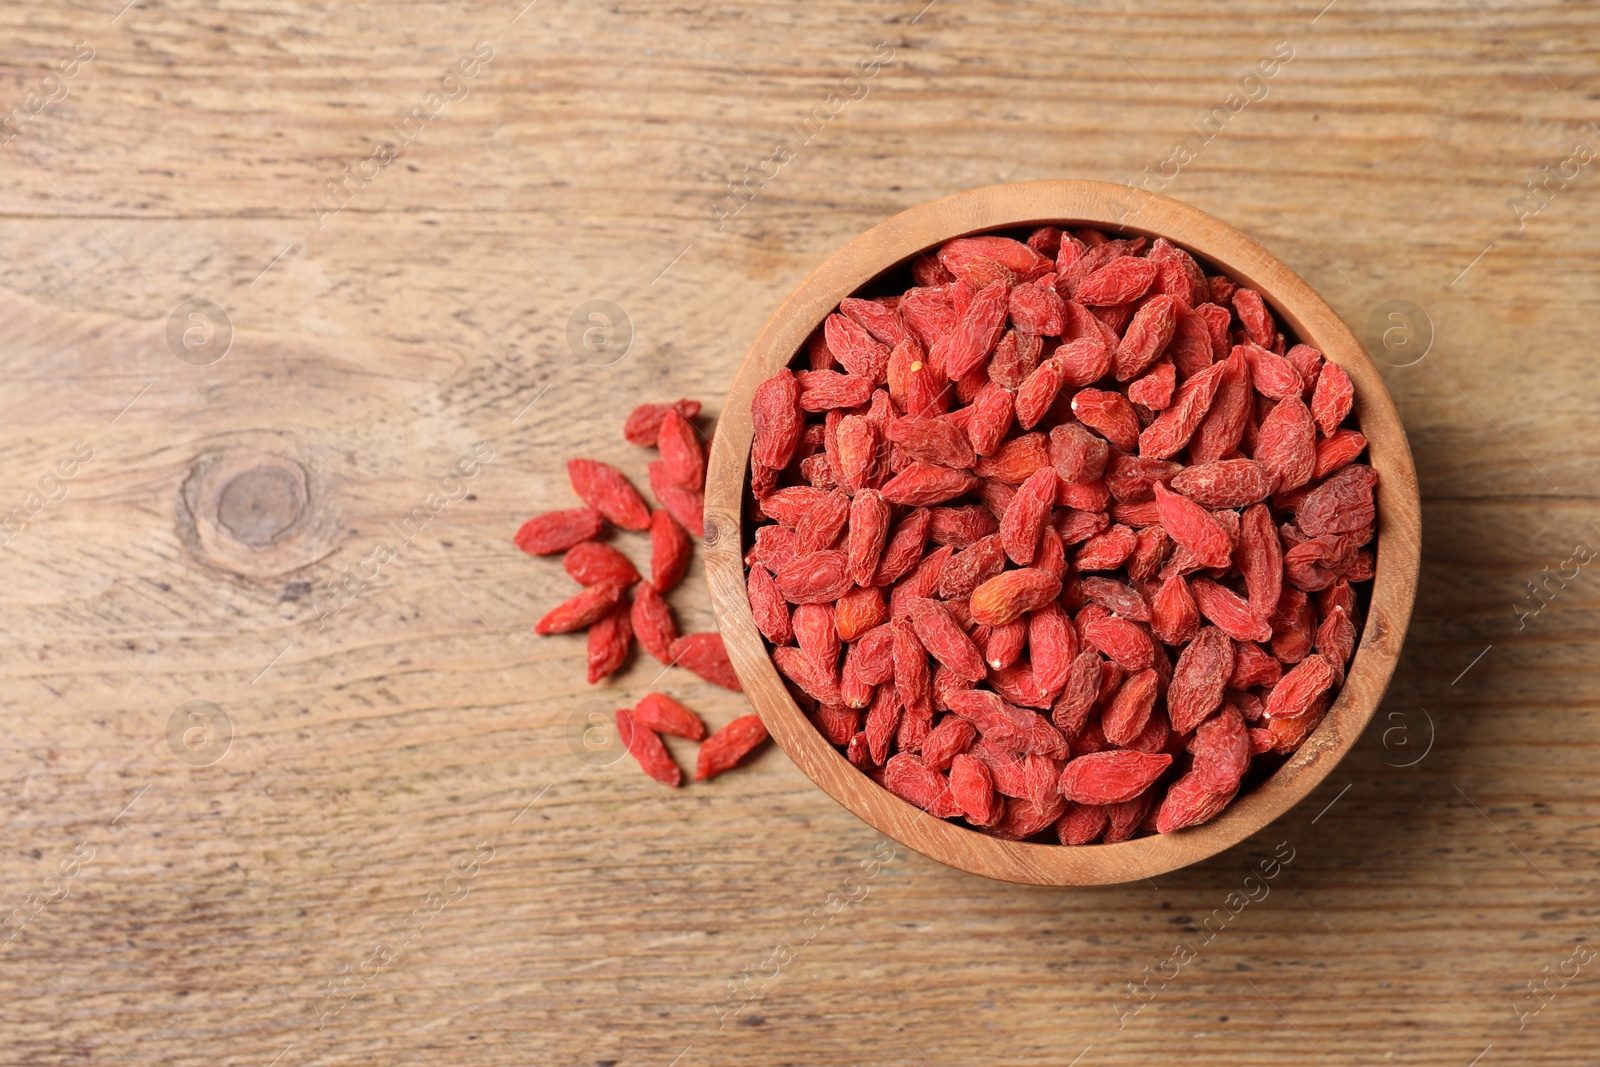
x=1111, y=207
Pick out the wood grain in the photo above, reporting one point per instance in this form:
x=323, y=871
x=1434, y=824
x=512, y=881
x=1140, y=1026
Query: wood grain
x=372, y=752
x=1012, y=207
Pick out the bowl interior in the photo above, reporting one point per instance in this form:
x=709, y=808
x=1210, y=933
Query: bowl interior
x=878, y=253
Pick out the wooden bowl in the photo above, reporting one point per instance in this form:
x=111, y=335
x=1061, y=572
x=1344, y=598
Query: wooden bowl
x=1113, y=208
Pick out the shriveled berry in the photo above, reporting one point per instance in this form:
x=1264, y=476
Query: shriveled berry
x=723, y=750
x=594, y=563
x=644, y=424
x=580, y=611
x=557, y=531
x=1012, y=594
x=704, y=655
x=665, y=715
x=681, y=451
x=645, y=746
x=604, y=488
x=610, y=641
x=1111, y=777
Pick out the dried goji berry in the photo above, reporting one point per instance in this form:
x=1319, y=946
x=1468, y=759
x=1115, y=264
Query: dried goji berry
x=879, y=320
x=925, y=483
x=593, y=563
x=1332, y=399
x=1343, y=504
x=1297, y=692
x=610, y=640
x=1129, y=711
x=1287, y=444
x=645, y=746
x=652, y=623
x=681, y=452
x=644, y=425
x=1188, y=803
x=1193, y=527
x=1111, y=777
x=933, y=440
x=908, y=778
x=724, y=749
x=1199, y=678
x=1110, y=415
x=815, y=578
x=1147, y=336
x=557, y=531
x=704, y=655
x=686, y=505
x=1126, y=642
x=580, y=611
x=1120, y=281
x=944, y=640
x=1012, y=594
x=665, y=715
x=604, y=488
x=1228, y=610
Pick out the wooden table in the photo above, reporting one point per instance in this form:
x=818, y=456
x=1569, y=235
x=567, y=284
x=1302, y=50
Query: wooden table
x=254, y=820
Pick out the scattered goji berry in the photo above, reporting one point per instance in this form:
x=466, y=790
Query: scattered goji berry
x=644, y=425
x=604, y=488
x=665, y=715
x=652, y=622
x=580, y=611
x=557, y=531
x=645, y=746
x=680, y=449
x=610, y=640
x=704, y=655
x=593, y=563
x=669, y=551
x=723, y=750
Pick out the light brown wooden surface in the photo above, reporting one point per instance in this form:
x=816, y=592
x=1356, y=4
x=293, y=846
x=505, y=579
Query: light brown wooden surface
x=1016, y=205
x=372, y=754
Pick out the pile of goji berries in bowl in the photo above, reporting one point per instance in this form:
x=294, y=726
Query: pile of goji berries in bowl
x=1060, y=536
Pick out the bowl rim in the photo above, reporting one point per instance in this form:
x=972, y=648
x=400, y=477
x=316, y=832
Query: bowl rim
x=1114, y=208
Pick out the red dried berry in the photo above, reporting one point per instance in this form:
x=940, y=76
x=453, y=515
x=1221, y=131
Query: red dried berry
x=610, y=641
x=686, y=505
x=1121, y=281
x=944, y=640
x=1229, y=611
x=1110, y=415
x=815, y=578
x=1198, y=679
x=580, y=611
x=669, y=551
x=604, y=488
x=1297, y=692
x=1111, y=777
x=1332, y=399
x=704, y=655
x=1027, y=514
x=644, y=425
x=643, y=745
x=652, y=623
x=593, y=563
x=1012, y=594
x=723, y=750
x=557, y=531
x=664, y=715
x=681, y=452
x=1193, y=527
x=924, y=483
x=1188, y=803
